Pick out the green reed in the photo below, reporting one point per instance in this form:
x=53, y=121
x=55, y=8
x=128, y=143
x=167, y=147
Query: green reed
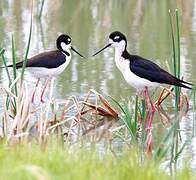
x=176, y=54
x=175, y=34
x=28, y=45
x=194, y=110
x=12, y=74
x=41, y=9
x=14, y=64
x=128, y=119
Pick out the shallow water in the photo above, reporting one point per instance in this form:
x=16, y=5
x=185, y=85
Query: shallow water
x=146, y=24
x=89, y=22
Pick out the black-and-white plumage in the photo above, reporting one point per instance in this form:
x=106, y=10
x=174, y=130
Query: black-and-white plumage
x=50, y=64
x=138, y=71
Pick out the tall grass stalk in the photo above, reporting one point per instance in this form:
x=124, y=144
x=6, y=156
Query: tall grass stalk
x=176, y=54
x=14, y=63
x=177, y=92
x=173, y=43
x=14, y=74
x=165, y=144
x=136, y=113
x=9, y=78
x=176, y=67
x=178, y=43
x=178, y=62
x=143, y=118
x=194, y=111
x=6, y=68
x=41, y=9
x=28, y=44
x=128, y=119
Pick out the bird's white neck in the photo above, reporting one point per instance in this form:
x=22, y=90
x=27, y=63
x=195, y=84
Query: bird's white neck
x=118, y=51
x=119, y=48
x=121, y=63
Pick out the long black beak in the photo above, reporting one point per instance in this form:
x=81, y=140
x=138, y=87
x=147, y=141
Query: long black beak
x=77, y=52
x=102, y=49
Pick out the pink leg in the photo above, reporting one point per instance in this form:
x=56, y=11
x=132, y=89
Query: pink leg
x=42, y=94
x=33, y=95
x=151, y=118
x=146, y=98
x=147, y=110
x=152, y=109
x=147, y=119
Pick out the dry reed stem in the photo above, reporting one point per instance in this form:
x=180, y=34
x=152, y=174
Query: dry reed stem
x=113, y=112
x=149, y=145
x=47, y=125
x=184, y=101
x=5, y=117
x=165, y=92
x=165, y=119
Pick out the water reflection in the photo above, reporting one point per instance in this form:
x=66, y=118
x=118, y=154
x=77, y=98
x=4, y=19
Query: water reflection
x=89, y=22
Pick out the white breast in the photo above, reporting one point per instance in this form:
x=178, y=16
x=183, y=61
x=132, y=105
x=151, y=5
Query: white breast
x=121, y=63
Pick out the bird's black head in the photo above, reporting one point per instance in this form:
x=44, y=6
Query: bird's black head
x=63, y=44
x=117, y=40
x=117, y=37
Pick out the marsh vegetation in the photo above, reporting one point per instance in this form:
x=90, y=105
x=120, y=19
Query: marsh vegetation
x=92, y=126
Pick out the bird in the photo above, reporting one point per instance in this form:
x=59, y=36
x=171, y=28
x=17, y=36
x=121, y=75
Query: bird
x=49, y=64
x=140, y=73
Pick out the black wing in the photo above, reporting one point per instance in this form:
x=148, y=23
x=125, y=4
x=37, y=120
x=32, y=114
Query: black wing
x=151, y=71
x=50, y=59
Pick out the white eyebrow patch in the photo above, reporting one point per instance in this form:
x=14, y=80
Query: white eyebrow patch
x=69, y=40
x=116, y=37
x=63, y=46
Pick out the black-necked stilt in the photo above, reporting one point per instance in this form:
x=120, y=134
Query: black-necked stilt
x=50, y=64
x=139, y=72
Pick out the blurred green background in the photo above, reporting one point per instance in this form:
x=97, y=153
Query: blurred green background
x=89, y=23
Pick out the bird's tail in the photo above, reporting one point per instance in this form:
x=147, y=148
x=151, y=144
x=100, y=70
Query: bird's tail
x=1, y=67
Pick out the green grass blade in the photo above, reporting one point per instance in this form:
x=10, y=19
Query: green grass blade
x=14, y=63
x=173, y=44
x=180, y=151
x=194, y=110
x=8, y=75
x=176, y=54
x=6, y=68
x=28, y=46
x=178, y=43
x=164, y=141
x=177, y=89
x=127, y=119
x=41, y=9
x=136, y=113
x=2, y=51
